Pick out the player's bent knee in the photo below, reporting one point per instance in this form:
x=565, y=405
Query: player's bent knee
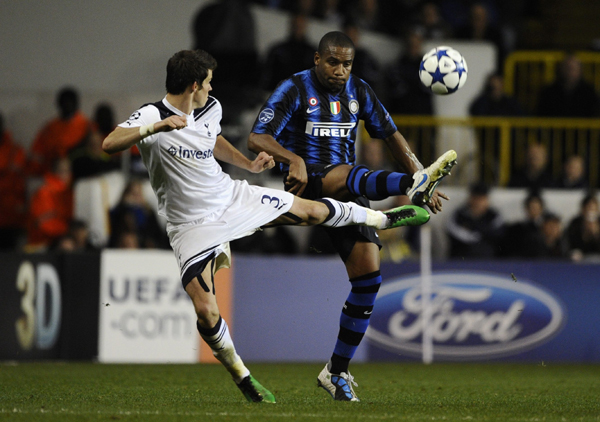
x=312, y=212
x=208, y=315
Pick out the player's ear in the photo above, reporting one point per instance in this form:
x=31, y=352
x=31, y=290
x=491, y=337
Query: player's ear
x=317, y=58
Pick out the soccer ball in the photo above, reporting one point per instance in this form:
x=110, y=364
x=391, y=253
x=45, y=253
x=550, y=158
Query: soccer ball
x=443, y=70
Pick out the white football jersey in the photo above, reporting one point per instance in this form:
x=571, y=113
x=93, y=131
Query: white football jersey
x=187, y=179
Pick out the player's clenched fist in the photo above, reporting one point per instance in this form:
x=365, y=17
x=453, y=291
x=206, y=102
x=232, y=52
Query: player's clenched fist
x=171, y=123
x=263, y=161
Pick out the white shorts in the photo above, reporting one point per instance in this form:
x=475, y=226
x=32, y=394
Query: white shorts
x=251, y=207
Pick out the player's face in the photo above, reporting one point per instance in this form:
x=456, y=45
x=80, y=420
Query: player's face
x=201, y=95
x=334, y=66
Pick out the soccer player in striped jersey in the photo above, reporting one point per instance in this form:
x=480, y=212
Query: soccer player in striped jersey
x=309, y=126
x=180, y=140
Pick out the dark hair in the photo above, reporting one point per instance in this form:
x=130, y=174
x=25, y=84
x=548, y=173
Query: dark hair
x=534, y=195
x=335, y=39
x=104, y=118
x=186, y=67
x=479, y=189
x=589, y=197
x=67, y=101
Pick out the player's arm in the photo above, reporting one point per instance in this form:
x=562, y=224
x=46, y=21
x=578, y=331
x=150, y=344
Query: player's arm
x=297, y=177
x=122, y=138
x=402, y=153
x=226, y=152
x=409, y=162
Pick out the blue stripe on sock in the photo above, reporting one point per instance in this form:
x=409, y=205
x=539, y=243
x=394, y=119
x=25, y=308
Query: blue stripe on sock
x=358, y=325
x=364, y=299
x=353, y=180
x=393, y=184
x=371, y=186
x=354, y=324
x=344, y=350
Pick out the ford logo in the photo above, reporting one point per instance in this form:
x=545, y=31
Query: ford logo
x=473, y=316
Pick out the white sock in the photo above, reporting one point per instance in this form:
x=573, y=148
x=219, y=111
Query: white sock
x=219, y=340
x=351, y=214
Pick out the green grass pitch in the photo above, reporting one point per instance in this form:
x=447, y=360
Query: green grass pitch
x=389, y=391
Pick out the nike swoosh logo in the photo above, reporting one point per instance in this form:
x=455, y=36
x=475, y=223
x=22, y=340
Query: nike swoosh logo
x=368, y=312
x=309, y=111
x=422, y=181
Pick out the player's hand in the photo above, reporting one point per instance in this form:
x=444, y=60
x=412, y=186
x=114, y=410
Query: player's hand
x=435, y=203
x=171, y=123
x=297, y=178
x=263, y=161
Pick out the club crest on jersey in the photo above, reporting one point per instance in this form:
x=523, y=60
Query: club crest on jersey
x=312, y=101
x=353, y=105
x=335, y=107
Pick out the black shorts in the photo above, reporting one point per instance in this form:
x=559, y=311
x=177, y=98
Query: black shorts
x=342, y=238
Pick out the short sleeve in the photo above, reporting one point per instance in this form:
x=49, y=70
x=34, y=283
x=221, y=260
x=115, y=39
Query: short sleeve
x=146, y=115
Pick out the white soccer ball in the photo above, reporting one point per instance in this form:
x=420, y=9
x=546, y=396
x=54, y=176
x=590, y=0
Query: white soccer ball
x=443, y=70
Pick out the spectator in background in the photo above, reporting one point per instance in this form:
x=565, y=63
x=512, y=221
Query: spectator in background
x=583, y=233
x=403, y=91
x=493, y=101
x=554, y=245
x=51, y=207
x=89, y=159
x=127, y=239
x=365, y=65
x=77, y=239
x=290, y=56
x=61, y=135
x=134, y=214
x=13, y=194
x=480, y=28
x=226, y=28
x=475, y=229
x=432, y=24
x=570, y=95
x=573, y=176
x=524, y=239
x=534, y=174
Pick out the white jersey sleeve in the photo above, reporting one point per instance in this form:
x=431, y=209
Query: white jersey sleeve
x=146, y=115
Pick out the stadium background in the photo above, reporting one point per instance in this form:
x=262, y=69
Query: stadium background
x=115, y=51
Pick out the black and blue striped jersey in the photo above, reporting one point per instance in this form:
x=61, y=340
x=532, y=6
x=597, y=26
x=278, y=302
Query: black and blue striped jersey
x=320, y=126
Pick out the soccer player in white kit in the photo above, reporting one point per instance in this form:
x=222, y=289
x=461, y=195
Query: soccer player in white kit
x=180, y=141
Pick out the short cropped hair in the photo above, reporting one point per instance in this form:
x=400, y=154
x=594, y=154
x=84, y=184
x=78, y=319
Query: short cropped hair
x=186, y=67
x=335, y=39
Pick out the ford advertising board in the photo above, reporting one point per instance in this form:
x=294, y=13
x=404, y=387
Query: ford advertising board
x=474, y=316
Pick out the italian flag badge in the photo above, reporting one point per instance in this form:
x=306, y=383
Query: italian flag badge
x=335, y=107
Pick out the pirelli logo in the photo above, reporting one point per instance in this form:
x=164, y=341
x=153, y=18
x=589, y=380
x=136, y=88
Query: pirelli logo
x=340, y=130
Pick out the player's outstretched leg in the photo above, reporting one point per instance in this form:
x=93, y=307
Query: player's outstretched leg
x=349, y=213
x=425, y=181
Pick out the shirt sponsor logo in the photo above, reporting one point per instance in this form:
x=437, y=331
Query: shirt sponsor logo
x=266, y=115
x=473, y=316
x=329, y=129
x=335, y=107
x=195, y=154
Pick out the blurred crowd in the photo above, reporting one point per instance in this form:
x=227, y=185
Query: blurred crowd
x=36, y=185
